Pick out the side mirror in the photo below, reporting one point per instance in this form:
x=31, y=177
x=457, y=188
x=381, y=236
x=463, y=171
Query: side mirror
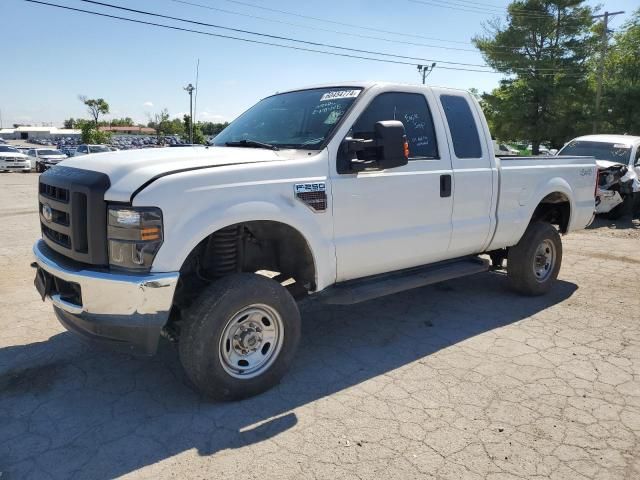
x=389, y=148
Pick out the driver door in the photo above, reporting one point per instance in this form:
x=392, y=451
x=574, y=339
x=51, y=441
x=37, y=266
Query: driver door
x=387, y=220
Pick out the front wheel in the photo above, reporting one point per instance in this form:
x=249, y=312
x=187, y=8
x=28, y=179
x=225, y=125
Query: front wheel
x=533, y=264
x=239, y=337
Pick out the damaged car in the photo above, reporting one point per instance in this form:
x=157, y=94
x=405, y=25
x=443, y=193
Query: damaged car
x=618, y=161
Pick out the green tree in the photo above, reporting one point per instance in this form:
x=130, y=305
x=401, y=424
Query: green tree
x=621, y=102
x=90, y=134
x=160, y=122
x=95, y=107
x=119, y=122
x=210, y=128
x=543, y=48
x=70, y=123
x=198, y=136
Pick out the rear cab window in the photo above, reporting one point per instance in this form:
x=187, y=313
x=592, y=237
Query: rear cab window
x=462, y=125
x=409, y=108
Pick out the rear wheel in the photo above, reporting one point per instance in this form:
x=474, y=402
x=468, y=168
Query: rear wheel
x=239, y=337
x=39, y=167
x=533, y=264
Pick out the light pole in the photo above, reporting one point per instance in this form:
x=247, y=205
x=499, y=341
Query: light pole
x=190, y=88
x=603, y=56
x=425, y=70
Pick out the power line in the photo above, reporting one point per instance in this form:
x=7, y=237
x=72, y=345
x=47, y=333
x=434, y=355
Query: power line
x=247, y=40
x=320, y=29
x=306, y=42
x=335, y=22
x=279, y=37
x=521, y=12
x=259, y=42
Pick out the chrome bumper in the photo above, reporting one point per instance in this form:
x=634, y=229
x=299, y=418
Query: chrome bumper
x=129, y=310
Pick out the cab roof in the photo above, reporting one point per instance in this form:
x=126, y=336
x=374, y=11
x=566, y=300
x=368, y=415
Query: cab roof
x=622, y=139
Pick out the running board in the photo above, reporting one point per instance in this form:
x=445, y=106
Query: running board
x=361, y=290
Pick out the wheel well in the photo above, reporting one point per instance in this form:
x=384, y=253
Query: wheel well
x=555, y=209
x=272, y=248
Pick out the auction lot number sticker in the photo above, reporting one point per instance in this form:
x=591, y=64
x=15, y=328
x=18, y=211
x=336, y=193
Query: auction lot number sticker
x=338, y=94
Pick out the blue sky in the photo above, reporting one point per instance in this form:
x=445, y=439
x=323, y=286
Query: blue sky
x=51, y=56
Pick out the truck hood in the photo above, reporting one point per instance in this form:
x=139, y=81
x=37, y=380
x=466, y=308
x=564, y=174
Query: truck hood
x=21, y=156
x=128, y=170
x=604, y=164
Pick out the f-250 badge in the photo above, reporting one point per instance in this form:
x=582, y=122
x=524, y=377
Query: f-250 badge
x=314, y=195
x=310, y=187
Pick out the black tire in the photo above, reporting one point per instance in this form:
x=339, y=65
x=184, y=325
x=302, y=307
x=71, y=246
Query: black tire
x=521, y=266
x=39, y=167
x=200, y=344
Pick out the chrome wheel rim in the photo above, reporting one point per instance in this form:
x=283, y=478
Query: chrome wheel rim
x=544, y=260
x=251, y=341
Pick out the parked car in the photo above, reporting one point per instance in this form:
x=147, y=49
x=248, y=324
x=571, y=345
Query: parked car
x=45, y=158
x=504, y=150
x=87, y=149
x=341, y=193
x=618, y=160
x=12, y=160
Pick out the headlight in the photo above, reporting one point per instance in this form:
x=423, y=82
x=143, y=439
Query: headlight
x=135, y=235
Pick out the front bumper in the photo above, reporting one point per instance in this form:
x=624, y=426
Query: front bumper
x=124, y=311
x=22, y=167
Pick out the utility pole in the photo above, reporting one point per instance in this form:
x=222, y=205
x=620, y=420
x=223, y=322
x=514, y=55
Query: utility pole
x=425, y=70
x=605, y=45
x=190, y=88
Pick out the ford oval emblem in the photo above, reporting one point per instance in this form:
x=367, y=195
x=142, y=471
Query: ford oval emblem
x=47, y=213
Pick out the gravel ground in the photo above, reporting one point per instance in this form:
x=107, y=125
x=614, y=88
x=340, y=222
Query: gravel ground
x=463, y=380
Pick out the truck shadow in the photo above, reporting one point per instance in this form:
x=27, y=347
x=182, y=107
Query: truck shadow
x=73, y=411
x=627, y=222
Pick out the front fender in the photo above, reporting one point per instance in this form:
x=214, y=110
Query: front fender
x=194, y=215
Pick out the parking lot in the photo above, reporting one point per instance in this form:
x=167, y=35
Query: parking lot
x=462, y=380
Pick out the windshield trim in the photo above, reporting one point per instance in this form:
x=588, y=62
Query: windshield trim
x=331, y=133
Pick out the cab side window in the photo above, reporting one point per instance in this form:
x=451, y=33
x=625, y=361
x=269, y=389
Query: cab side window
x=637, y=162
x=462, y=125
x=82, y=149
x=409, y=108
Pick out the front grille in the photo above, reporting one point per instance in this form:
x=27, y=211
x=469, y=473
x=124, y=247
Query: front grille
x=73, y=213
x=56, y=193
x=57, y=237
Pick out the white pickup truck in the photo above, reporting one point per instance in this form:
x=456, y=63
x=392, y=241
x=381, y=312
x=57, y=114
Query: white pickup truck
x=339, y=193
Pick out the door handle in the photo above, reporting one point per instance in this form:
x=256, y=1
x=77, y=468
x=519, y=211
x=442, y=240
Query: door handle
x=445, y=186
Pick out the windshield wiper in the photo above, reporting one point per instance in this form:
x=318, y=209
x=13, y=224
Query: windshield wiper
x=251, y=144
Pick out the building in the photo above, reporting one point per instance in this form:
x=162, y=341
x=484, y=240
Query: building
x=31, y=133
x=132, y=130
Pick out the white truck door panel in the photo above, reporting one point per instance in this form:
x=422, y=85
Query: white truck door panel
x=393, y=219
x=473, y=173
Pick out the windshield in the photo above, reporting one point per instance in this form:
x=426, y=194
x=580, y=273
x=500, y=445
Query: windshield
x=614, y=152
x=6, y=148
x=301, y=119
x=99, y=149
x=50, y=152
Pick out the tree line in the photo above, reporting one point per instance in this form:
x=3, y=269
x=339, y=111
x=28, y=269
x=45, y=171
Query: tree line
x=550, y=52
x=160, y=122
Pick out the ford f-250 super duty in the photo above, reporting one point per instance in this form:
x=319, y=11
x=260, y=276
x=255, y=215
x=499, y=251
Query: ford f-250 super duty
x=340, y=193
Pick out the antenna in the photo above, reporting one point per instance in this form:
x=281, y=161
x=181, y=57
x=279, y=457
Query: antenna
x=195, y=100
